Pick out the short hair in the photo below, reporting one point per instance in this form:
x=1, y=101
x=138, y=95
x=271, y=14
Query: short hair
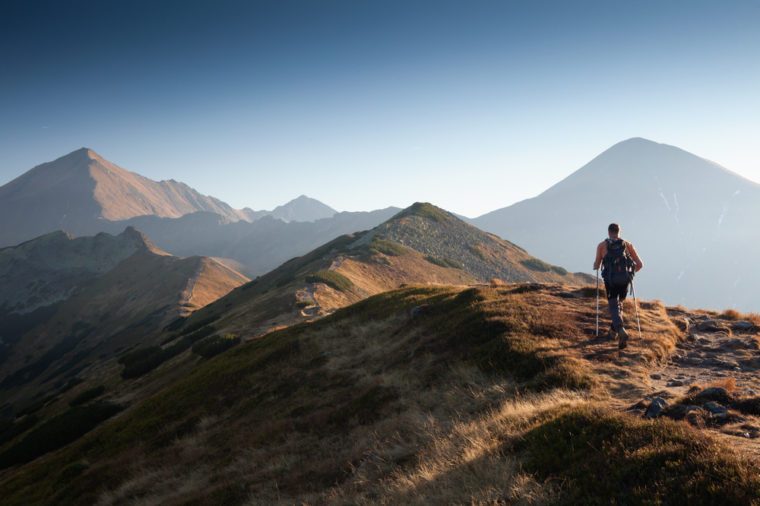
x=614, y=228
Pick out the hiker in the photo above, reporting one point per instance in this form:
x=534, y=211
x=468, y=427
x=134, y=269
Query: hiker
x=619, y=261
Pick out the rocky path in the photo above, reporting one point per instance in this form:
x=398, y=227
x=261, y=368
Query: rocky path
x=714, y=352
x=712, y=380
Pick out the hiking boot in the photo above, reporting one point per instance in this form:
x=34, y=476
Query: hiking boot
x=623, y=336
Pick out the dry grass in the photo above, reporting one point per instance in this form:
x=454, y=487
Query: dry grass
x=369, y=406
x=733, y=315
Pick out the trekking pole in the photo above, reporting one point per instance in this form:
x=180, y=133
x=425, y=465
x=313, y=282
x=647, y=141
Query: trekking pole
x=597, y=302
x=636, y=307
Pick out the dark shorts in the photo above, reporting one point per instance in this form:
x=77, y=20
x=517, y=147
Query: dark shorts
x=616, y=291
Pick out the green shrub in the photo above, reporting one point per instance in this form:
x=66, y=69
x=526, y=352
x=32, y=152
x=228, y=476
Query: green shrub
x=442, y=262
x=215, y=345
x=35, y=405
x=9, y=430
x=386, y=247
x=425, y=210
x=87, y=395
x=143, y=360
x=332, y=279
x=201, y=323
x=57, y=432
x=537, y=265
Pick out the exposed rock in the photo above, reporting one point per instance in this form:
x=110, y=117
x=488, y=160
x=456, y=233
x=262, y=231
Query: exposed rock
x=737, y=344
x=721, y=363
x=675, y=383
x=656, y=376
x=715, y=408
x=743, y=325
x=419, y=310
x=656, y=407
x=713, y=326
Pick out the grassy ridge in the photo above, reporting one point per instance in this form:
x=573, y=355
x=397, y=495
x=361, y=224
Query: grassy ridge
x=425, y=394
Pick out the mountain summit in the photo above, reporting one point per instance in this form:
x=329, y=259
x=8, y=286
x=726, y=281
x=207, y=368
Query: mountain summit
x=688, y=217
x=303, y=208
x=76, y=191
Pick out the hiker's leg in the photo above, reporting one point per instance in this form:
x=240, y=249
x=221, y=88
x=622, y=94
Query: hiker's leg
x=614, y=305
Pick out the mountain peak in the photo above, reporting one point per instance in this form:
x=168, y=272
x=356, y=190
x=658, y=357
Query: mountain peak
x=140, y=240
x=425, y=210
x=303, y=208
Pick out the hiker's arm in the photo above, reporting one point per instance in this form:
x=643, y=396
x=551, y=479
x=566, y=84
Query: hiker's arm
x=599, y=256
x=636, y=259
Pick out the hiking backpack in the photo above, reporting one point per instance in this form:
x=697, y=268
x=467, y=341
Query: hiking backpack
x=617, y=265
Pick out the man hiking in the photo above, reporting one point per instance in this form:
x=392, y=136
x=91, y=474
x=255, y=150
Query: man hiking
x=619, y=261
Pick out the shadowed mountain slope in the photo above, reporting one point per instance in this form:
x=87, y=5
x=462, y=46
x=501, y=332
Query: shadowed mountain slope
x=69, y=303
x=696, y=224
x=48, y=269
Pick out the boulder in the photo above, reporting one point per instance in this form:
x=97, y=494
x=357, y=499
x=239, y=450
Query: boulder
x=715, y=408
x=743, y=325
x=711, y=325
x=656, y=407
x=419, y=310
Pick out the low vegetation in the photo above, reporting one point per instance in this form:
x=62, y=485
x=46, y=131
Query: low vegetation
x=602, y=457
x=332, y=279
x=390, y=248
x=143, y=360
x=214, y=345
x=424, y=210
x=87, y=396
x=537, y=265
x=57, y=432
x=443, y=262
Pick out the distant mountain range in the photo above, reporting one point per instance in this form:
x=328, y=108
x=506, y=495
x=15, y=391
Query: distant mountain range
x=695, y=223
x=83, y=193
x=258, y=246
x=66, y=301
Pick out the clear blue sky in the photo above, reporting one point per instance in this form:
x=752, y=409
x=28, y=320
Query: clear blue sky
x=471, y=105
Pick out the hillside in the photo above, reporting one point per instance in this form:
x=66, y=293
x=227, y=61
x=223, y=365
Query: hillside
x=422, y=244
x=131, y=324
x=81, y=189
x=420, y=395
x=103, y=294
x=686, y=215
